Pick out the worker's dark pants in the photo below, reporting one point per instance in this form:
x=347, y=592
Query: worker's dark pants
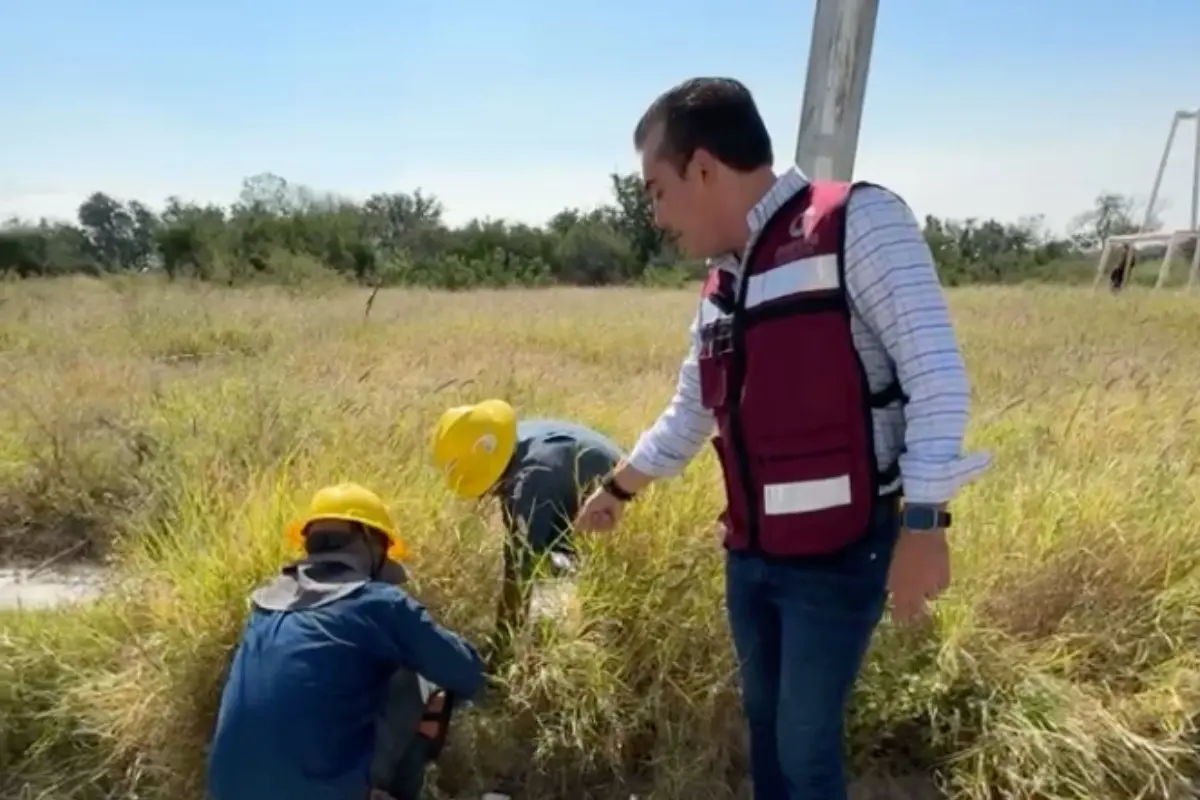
x=401, y=753
x=800, y=629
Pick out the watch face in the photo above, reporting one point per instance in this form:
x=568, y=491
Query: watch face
x=920, y=519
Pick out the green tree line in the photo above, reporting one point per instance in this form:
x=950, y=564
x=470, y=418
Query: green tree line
x=282, y=232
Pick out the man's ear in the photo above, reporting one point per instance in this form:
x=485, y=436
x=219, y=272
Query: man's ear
x=703, y=165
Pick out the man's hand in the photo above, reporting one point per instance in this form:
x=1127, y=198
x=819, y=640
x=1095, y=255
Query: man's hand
x=600, y=512
x=432, y=729
x=920, y=571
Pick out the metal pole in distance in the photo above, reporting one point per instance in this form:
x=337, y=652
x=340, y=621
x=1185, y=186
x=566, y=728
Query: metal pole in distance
x=838, y=61
x=1195, y=226
x=1105, y=250
x=1158, y=177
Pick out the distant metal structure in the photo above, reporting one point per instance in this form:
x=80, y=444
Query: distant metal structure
x=1173, y=239
x=839, y=58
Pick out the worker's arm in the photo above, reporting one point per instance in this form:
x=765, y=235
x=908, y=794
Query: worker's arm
x=893, y=284
x=410, y=636
x=679, y=432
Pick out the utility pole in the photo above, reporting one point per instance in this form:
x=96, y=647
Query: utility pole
x=838, y=61
x=1151, y=205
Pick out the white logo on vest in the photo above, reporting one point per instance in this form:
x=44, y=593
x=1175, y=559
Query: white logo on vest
x=796, y=228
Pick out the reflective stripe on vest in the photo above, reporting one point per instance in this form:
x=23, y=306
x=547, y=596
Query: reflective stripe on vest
x=781, y=374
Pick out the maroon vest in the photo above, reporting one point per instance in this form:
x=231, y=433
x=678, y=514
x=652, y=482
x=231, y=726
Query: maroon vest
x=781, y=374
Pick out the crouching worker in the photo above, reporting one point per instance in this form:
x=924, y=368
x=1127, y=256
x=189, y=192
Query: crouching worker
x=329, y=695
x=539, y=470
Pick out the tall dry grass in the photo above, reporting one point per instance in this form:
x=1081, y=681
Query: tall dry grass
x=178, y=427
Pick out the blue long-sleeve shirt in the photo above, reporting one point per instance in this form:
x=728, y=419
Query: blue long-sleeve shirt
x=298, y=715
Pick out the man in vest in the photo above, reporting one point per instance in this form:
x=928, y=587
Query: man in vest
x=823, y=357
x=331, y=690
x=539, y=470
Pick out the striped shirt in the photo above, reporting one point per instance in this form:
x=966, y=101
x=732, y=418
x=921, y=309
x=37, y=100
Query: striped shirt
x=901, y=327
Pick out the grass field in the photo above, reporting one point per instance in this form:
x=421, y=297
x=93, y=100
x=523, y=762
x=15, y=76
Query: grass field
x=177, y=428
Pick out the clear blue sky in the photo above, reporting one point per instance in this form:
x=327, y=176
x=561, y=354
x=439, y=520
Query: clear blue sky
x=974, y=107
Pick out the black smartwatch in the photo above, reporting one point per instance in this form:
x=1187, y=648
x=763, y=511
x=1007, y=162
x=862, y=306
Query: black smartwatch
x=609, y=484
x=921, y=518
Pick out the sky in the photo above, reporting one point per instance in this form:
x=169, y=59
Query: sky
x=985, y=108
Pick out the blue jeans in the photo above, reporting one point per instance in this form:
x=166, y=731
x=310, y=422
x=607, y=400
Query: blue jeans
x=800, y=629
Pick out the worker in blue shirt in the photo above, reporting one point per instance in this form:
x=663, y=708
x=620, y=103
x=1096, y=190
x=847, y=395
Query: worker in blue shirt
x=539, y=470
x=331, y=694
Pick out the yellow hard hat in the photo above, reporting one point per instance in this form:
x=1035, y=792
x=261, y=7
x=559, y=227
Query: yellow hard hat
x=349, y=502
x=472, y=445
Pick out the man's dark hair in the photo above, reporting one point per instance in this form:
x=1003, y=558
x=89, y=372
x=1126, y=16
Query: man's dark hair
x=715, y=114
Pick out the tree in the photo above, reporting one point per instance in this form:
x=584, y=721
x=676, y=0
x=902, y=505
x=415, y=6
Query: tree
x=392, y=218
x=284, y=232
x=634, y=219
x=110, y=230
x=1111, y=215
x=592, y=253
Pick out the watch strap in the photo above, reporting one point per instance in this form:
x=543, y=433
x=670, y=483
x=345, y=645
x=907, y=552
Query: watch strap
x=928, y=518
x=610, y=485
